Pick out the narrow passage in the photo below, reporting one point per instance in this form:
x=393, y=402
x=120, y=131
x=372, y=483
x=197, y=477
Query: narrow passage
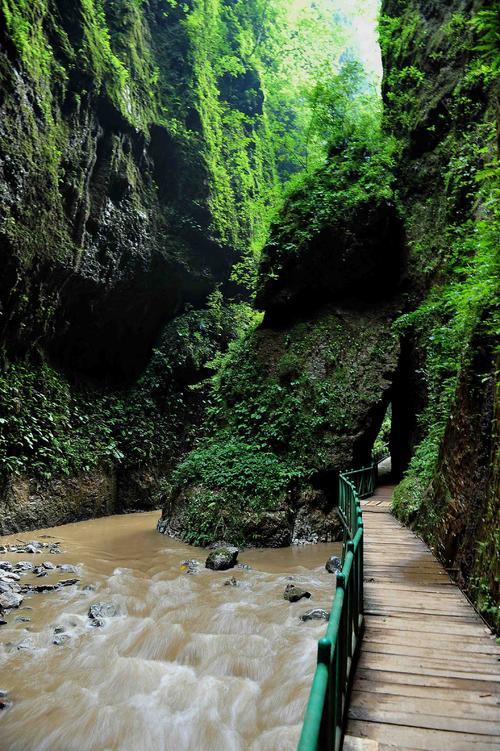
x=428, y=676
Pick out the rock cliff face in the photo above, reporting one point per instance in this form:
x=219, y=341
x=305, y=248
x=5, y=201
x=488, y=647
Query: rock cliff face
x=305, y=394
x=441, y=102
x=111, y=180
x=106, y=226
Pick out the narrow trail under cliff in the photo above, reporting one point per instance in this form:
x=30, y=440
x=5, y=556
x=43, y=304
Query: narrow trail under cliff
x=428, y=676
x=187, y=663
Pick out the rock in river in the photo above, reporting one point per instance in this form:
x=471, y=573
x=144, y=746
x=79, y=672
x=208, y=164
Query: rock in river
x=101, y=610
x=190, y=566
x=333, y=564
x=317, y=614
x=221, y=559
x=10, y=600
x=294, y=594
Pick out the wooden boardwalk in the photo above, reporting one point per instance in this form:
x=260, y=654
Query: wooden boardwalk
x=428, y=676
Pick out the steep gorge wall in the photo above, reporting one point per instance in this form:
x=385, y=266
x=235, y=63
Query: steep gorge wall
x=441, y=102
x=119, y=136
x=304, y=394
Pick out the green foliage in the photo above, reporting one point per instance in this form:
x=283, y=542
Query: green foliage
x=486, y=23
x=50, y=427
x=248, y=478
x=46, y=429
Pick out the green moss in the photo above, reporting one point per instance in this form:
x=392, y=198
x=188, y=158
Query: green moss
x=282, y=406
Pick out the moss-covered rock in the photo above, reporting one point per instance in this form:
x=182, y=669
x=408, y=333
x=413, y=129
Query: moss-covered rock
x=292, y=407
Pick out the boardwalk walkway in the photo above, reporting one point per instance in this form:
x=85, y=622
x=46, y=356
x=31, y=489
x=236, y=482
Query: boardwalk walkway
x=429, y=673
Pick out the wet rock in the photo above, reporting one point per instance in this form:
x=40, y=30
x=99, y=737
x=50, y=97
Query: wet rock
x=333, y=564
x=2, y=622
x=317, y=614
x=68, y=568
x=294, y=594
x=4, y=704
x=22, y=619
x=39, y=571
x=9, y=576
x=60, y=639
x=232, y=582
x=59, y=629
x=190, y=566
x=10, y=600
x=9, y=586
x=220, y=559
x=54, y=549
x=48, y=565
x=30, y=549
x=5, y=566
x=42, y=587
x=68, y=582
x=23, y=566
x=101, y=610
x=243, y=566
x=89, y=588
x=25, y=644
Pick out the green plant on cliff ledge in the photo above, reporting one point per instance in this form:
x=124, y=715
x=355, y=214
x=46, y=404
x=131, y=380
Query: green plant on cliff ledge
x=446, y=321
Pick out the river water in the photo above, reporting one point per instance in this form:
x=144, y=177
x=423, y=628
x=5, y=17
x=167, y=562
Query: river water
x=188, y=664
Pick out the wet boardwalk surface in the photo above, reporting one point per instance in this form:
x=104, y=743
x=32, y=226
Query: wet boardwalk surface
x=429, y=672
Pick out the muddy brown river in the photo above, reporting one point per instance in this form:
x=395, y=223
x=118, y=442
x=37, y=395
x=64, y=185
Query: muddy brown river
x=187, y=664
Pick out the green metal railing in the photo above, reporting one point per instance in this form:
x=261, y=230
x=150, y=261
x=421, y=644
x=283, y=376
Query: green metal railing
x=326, y=713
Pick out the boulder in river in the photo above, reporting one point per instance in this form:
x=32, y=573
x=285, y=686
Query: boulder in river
x=232, y=582
x=294, y=594
x=101, y=610
x=220, y=559
x=317, y=614
x=10, y=600
x=333, y=564
x=23, y=566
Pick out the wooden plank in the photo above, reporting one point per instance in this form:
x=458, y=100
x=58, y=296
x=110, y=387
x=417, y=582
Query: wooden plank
x=405, y=621
x=472, y=645
x=425, y=666
x=430, y=706
x=421, y=739
x=485, y=688
x=476, y=699
x=395, y=715
x=432, y=651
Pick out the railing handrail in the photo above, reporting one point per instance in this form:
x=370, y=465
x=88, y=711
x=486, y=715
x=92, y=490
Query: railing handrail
x=326, y=712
